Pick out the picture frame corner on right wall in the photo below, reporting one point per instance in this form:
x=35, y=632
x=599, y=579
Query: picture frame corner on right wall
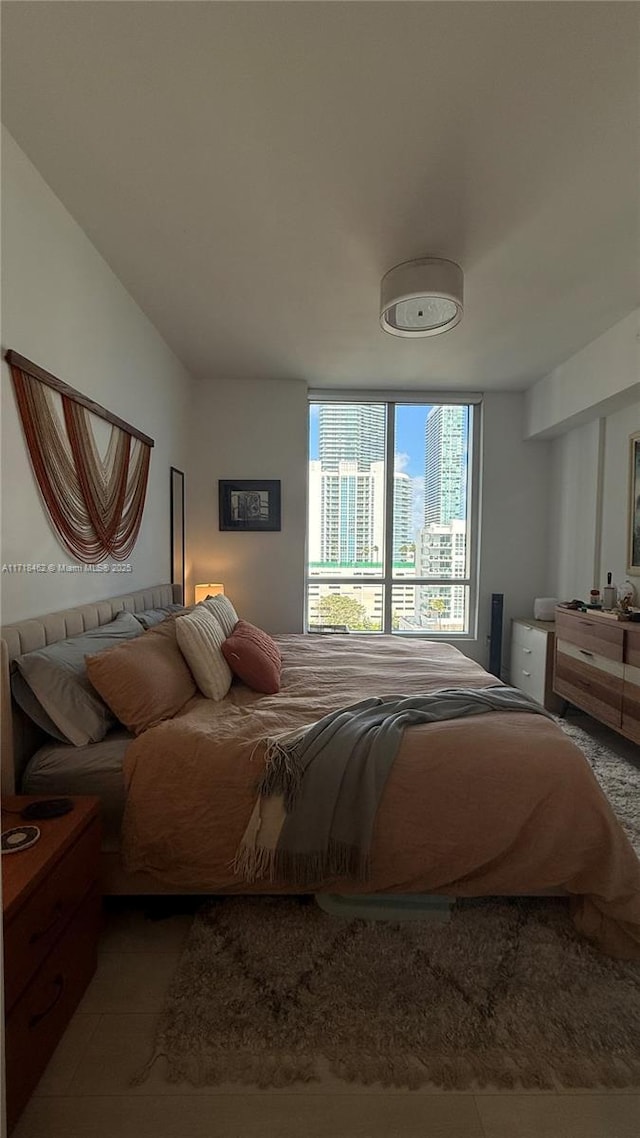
x=633, y=523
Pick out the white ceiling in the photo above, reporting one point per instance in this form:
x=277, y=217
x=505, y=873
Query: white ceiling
x=250, y=171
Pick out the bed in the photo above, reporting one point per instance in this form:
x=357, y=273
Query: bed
x=502, y=804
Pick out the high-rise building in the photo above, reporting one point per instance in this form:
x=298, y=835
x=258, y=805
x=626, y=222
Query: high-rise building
x=346, y=538
x=403, y=536
x=442, y=543
x=445, y=467
x=351, y=432
x=442, y=552
x=346, y=513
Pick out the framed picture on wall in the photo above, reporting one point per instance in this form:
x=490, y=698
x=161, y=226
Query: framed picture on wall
x=633, y=565
x=249, y=504
x=176, y=500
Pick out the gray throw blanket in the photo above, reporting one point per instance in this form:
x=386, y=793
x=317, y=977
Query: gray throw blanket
x=320, y=792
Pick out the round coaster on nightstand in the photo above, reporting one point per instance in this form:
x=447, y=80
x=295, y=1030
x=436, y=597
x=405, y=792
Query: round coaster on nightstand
x=19, y=838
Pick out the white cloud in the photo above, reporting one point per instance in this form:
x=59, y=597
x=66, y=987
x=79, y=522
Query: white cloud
x=401, y=462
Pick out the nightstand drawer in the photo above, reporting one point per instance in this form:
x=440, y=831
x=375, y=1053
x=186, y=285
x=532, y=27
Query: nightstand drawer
x=37, y=1020
x=28, y=937
x=526, y=636
x=528, y=680
x=531, y=657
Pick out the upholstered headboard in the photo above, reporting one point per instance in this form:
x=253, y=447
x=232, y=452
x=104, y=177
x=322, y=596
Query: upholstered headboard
x=20, y=737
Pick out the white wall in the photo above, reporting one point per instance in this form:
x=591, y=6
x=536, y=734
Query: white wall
x=252, y=430
x=574, y=512
x=615, y=513
x=589, y=407
x=597, y=381
x=591, y=489
x=63, y=308
x=259, y=430
x=514, y=517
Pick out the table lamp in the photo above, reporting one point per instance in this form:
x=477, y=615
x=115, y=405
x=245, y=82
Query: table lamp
x=204, y=591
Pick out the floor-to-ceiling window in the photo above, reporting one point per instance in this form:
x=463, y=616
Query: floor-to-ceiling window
x=392, y=530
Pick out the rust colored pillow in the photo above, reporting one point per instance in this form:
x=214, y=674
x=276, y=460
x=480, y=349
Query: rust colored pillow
x=253, y=657
x=142, y=688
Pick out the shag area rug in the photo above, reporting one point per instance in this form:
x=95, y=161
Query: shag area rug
x=271, y=991
x=618, y=777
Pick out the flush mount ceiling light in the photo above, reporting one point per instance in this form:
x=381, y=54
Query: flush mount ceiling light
x=421, y=298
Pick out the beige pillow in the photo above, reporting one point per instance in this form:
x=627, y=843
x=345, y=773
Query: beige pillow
x=143, y=681
x=200, y=639
x=223, y=611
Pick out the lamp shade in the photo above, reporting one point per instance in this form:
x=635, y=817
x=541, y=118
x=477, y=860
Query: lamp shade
x=204, y=591
x=421, y=298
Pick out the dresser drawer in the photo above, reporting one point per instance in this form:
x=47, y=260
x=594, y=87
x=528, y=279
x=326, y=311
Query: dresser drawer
x=599, y=636
x=632, y=649
x=631, y=701
x=590, y=680
x=29, y=935
x=39, y=1017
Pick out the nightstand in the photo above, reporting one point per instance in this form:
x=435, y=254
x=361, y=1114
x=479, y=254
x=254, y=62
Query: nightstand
x=532, y=659
x=52, y=914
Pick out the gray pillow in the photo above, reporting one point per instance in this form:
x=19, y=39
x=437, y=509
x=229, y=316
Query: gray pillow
x=32, y=707
x=57, y=676
x=149, y=617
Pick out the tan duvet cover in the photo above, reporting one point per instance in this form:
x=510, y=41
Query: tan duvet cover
x=502, y=803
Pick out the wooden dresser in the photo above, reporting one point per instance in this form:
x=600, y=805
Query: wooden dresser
x=598, y=668
x=51, y=911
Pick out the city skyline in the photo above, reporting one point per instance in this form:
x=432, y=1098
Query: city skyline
x=409, y=441
x=430, y=450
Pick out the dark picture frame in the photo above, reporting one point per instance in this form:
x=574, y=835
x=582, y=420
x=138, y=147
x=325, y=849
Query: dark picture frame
x=249, y=505
x=176, y=521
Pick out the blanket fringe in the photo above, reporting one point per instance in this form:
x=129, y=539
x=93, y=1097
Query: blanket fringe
x=254, y=863
x=283, y=773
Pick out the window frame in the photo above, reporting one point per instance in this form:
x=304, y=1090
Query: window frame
x=386, y=580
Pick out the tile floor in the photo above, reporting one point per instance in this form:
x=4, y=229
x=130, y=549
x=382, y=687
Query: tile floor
x=86, y=1091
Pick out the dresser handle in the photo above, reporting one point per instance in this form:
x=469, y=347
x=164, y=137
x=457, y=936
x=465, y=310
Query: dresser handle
x=585, y=653
x=59, y=985
x=527, y=651
x=586, y=623
x=58, y=910
x=525, y=673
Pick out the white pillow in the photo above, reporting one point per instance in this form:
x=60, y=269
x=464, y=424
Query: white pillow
x=200, y=639
x=223, y=611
